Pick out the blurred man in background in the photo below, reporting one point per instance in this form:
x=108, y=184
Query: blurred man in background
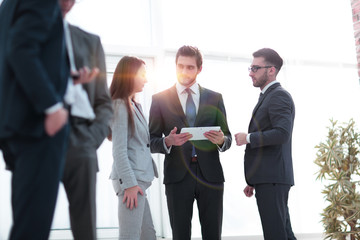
x=88, y=128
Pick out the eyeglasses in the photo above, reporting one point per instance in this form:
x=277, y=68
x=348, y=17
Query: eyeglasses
x=255, y=68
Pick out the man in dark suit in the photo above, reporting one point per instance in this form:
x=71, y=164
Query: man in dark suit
x=192, y=169
x=86, y=135
x=33, y=122
x=268, y=160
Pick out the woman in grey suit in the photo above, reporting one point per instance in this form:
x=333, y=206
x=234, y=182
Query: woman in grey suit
x=133, y=168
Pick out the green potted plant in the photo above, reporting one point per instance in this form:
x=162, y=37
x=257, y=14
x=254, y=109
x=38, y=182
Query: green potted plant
x=338, y=159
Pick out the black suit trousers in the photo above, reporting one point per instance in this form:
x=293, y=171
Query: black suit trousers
x=272, y=200
x=37, y=166
x=79, y=181
x=80, y=185
x=180, y=199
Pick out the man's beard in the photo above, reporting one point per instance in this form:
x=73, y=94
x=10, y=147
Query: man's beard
x=261, y=81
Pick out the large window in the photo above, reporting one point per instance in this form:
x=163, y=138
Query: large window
x=118, y=22
x=319, y=71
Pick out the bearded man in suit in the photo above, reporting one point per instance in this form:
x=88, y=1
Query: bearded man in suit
x=192, y=169
x=268, y=159
x=87, y=131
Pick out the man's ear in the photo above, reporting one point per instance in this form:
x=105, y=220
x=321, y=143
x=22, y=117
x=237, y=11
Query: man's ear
x=273, y=71
x=199, y=70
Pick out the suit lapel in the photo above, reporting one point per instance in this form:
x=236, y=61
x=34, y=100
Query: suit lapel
x=259, y=103
x=176, y=105
x=140, y=116
x=263, y=97
x=82, y=58
x=202, y=103
x=75, y=41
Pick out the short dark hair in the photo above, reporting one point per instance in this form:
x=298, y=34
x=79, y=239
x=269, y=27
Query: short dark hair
x=190, y=51
x=270, y=56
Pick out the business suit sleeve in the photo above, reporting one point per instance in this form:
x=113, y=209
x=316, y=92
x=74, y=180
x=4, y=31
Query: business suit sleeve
x=102, y=101
x=221, y=118
x=27, y=35
x=280, y=113
x=156, y=126
x=120, y=146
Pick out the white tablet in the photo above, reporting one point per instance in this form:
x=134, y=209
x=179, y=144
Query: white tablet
x=198, y=132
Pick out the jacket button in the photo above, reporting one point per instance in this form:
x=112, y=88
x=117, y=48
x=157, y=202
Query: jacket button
x=148, y=145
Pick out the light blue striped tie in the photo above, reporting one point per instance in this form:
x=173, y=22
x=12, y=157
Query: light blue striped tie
x=190, y=113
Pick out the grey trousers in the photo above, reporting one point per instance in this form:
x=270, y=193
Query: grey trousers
x=135, y=224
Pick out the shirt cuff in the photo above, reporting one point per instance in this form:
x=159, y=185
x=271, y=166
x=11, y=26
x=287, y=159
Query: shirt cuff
x=167, y=150
x=54, y=108
x=248, y=137
x=223, y=148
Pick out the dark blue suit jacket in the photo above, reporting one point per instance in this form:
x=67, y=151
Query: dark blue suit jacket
x=166, y=113
x=268, y=157
x=33, y=65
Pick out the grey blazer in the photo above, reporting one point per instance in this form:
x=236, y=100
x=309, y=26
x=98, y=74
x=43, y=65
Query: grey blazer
x=87, y=136
x=89, y=52
x=131, y=151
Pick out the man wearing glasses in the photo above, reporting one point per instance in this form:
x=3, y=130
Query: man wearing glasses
x=268, y=160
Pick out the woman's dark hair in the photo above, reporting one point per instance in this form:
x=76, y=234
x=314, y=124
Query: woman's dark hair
x=122, y=85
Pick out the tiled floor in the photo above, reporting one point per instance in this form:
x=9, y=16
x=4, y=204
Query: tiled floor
x=110, y=234
x=302, y=237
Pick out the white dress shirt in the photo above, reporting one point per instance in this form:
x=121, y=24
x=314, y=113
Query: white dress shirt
x=182, y=94
x=75, y=95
